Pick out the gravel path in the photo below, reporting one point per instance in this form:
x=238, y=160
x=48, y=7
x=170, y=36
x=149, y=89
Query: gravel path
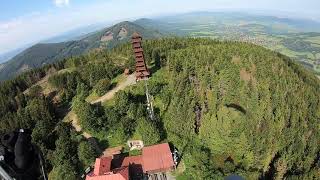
x=131, y=79
x=73, y=118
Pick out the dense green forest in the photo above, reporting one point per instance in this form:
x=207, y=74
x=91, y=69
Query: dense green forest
x=228, y=107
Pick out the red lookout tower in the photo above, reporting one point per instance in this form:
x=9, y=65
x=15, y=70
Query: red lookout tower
x=142, y=72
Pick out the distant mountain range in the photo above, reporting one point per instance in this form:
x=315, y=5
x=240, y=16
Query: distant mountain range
x=76, y=34
x=46, y=53
x=291, y=37
x=72, y=35
x=182, y=23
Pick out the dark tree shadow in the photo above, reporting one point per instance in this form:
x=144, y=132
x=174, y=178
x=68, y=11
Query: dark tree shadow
x=98, y=146
x=113, y=85
x=61, y=110
x=272, y=170
x=153, y=69
x=160, y=124
x=137, y=98
x=236, y=107
x=135, y=170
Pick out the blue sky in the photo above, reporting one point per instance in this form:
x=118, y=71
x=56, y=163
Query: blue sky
x=28, y=21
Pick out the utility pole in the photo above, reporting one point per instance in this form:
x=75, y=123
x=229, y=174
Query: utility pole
x=149, y=103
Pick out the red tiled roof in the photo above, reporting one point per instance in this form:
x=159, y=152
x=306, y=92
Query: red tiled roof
x=132, y=160
x=135, y=164
x=102, y=165
x=123, y=171
x=157, y=158
x=117, y=174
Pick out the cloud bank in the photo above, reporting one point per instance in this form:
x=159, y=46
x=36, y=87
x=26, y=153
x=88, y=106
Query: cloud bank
x=61, y=3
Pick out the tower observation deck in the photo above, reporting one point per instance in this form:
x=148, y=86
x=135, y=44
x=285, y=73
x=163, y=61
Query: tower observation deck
x=142, y=72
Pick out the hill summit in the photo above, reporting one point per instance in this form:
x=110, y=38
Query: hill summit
x=46, y=53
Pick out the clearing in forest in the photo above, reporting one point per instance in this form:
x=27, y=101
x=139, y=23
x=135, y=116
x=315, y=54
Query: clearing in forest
x=131, y=79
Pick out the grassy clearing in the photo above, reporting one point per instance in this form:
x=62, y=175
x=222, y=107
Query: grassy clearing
x=92, y=97
x=45, y=85
x=178, y=173
x=284, y=50
x=118, y=79
x=109, y=103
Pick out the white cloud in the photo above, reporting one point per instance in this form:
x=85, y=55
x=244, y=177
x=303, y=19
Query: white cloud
x=33, y=28
x=61, y=3
x=7, y=26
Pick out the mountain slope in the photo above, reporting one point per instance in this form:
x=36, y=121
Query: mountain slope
x=41, y=54
x=117, y=34
x=239, y=108
x=234, y=107
x=76, y=34
x=228, y=108
x=9, y=55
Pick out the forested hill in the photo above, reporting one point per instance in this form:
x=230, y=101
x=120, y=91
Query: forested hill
x=46, y=53
x=228, y=107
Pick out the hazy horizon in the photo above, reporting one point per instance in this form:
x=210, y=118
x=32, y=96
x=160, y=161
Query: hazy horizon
x=23, y=24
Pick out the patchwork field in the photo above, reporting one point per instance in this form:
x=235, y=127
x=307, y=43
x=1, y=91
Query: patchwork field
x=291, y=38
x=303, y=47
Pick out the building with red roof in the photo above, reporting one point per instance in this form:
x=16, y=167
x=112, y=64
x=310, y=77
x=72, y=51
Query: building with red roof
x=154, y=159
x=102, y=171
x=102, y=165
x=135, y=164
x=115, y=174
x=157, y=158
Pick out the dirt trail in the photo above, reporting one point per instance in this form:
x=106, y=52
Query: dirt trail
x=46, y=87
x=131, y=79
x=109, y=95
x=41, y=83
x=73, y=118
